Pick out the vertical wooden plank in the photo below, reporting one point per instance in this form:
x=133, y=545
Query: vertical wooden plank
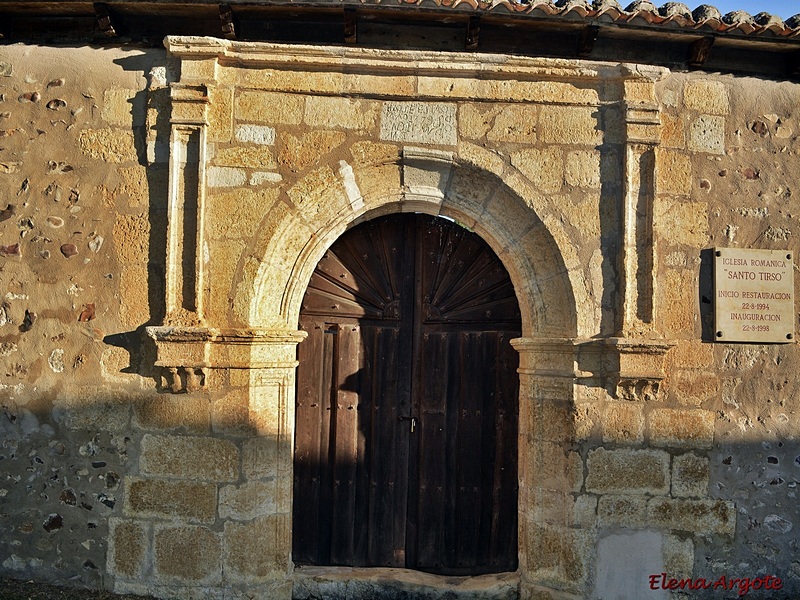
x=492, y=461
x=325, y=423
x=506, y=480
x=472, y=456
x=307, y=459
x=364, y=439
x=345, y=446
x=430, y=441
x=386, y=466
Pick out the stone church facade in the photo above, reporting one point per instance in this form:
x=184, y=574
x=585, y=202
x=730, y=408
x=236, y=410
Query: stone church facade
x=164, y=209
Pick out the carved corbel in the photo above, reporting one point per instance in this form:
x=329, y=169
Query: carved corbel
x=638, y=368
x=186, y=353
x=184, y=380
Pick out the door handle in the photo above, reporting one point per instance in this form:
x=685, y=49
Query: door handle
x=412, y=419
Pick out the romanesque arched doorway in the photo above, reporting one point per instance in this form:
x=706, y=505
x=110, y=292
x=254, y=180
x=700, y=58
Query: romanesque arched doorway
x=407, y=403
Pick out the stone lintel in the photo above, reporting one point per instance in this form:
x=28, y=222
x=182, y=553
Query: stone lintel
x=415, y=62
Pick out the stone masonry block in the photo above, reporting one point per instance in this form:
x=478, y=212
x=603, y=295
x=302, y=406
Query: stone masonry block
x=301, y=152
x=237, y=214
x=133, y=287
x=695, y=387
x=260, y=458
x=474, y=121
x=255, y=134
x=558, y=556
x=118, y=107
x=341, y=113
x=185, y=457
x=691, y=354
x=569, y=125
x=695, y=516
x=189, y=413
x=226, y=177
x=672, y=134
x=269, y=107
x=678, y=556
x=194, y=501
x=220, y=114
x=230, y=414
x=583, y=168
x=188, y=554
x=681, y=428
x=259, y=157
x=622, y=511
x=114, y=146
x=706, y=96
x=248, y=501
x=679, y=318
x=128, y=545
x=132, y=238
x=707, y=134
x=690, y=476
x=681, y=222
x=543, y=167
x=623, y=423
x=514, y=123
x=673, y=172
x=554, y=467
x=319, y=195
x=251, y=552
x=627, y=471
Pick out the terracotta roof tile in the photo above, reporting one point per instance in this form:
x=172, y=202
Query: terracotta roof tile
x=675, y=14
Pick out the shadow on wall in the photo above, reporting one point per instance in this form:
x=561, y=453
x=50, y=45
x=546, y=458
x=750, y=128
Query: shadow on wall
x=151, y=139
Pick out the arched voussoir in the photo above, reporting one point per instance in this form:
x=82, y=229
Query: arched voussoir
x=467, y=191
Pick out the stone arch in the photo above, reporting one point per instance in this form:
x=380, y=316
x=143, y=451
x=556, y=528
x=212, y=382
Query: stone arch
x=486, y=195
x=522, y=226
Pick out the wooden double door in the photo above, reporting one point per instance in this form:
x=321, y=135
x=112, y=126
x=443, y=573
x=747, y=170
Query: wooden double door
x=407, y=403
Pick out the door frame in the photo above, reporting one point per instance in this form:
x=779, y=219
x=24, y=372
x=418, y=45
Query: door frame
x=438, y=268
x=536, y=255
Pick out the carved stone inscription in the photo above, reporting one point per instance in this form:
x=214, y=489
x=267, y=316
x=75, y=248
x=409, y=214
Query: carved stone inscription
x=420, y=122
x=753, y=295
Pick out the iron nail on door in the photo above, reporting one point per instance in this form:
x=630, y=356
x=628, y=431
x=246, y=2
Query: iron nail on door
x=412, y=419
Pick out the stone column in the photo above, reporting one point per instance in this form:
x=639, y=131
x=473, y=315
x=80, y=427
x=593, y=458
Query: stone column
x=638, y=350
x=554, y=551
x=642, y=135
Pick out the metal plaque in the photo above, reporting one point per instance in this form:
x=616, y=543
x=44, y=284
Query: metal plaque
x=753, y=295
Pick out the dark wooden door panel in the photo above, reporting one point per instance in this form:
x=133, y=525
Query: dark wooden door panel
x=407, y=403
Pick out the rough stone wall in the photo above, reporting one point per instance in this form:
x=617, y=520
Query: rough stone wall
x=76, y=272
x=107, y=480
x=741, y=139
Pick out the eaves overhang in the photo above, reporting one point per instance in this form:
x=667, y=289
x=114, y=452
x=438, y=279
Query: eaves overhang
x=671, y=35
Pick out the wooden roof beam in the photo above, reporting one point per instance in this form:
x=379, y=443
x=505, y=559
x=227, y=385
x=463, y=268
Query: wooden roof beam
x=108, y=25
x=350, y=26
x=473, y=33
x=229, y=21
x=699, y=51
x=586, y=40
